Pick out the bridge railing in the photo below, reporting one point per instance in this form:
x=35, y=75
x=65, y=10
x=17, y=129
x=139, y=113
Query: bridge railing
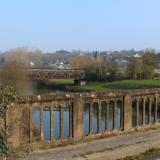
x=50, y=73
x=57, y=118
x=56, y=74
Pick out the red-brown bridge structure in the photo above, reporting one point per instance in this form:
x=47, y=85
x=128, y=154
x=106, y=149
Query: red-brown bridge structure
x=50, y=73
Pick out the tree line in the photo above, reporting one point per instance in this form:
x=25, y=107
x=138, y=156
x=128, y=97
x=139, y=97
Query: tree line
x=99, y=66
x=101, y=69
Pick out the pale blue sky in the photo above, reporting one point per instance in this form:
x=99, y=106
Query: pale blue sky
x=80, y=24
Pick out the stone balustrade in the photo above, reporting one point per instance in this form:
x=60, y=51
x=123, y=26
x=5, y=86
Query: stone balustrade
x=58, y=117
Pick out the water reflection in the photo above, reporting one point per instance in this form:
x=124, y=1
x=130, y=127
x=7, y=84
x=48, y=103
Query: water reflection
x=118, y=114
x=153, y=110
x=103, y=116
x=147, y=111
x=47, y=130
x=66, y=121
x=111, y=115
x=95, y=118
x=140, y=111
x=36, y=117
x=36, y=124
x=56, y=121
x=86, y=119
x=134, y=113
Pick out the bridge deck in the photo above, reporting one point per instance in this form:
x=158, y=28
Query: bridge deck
x=49, y=73
x=56, y=73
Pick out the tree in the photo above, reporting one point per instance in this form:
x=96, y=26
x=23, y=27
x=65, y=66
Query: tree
x=14, y=75
x=142, y=67
x=17, y=55
x=149, y=63
x=24, y=56
x=97, y=68
x=135, y=68
x=7, y=97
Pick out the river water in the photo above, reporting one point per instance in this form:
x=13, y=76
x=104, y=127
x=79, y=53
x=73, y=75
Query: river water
x=66, y=118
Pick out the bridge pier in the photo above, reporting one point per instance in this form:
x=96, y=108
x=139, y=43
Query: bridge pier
x=79, y=82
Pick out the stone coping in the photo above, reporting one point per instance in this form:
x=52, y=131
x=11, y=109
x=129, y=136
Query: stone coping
x=64, y=96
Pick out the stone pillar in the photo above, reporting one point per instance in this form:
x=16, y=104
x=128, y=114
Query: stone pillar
x=90, y=118
x=156, y=108
x=107, y=116
x=99, y=117
x=150, y=109
x=127, y=112
x=30, y=125
x=14, y=113
x=78, y=107
x=144, y=107
x=42, y=123
x=51, y=123
x=61, y=122
x=71, y=120
x=122, y=115
x=114, y=114
x=137, y=112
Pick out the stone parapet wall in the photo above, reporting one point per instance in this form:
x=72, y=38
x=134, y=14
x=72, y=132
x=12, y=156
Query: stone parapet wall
x=105, y=112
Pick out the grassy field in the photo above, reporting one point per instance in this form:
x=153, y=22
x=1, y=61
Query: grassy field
x=63, y=81
x=123, y=85
x=118, y=85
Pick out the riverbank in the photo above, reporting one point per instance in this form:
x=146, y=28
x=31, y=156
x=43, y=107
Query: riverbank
x=68, y=86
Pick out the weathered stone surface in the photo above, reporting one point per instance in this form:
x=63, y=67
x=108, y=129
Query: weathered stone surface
x=76, y=101
x=103, y=149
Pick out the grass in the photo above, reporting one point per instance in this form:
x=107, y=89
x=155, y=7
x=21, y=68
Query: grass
x=123, y=85
x=68, y=85
x=63, y=81
x=151, y=154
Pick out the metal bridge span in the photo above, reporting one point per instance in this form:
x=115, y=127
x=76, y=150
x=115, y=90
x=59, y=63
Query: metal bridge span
x=50, y=73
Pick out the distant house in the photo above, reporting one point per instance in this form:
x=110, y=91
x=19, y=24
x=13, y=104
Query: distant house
x=137, y=55
x=60, y=65
x=157, y=72
x=31, y=64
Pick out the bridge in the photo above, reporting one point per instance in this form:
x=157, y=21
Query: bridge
x=50, y=73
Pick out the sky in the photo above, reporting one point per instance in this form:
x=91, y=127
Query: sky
x=51, y=25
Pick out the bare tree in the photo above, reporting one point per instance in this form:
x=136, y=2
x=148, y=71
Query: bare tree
x=14, y=75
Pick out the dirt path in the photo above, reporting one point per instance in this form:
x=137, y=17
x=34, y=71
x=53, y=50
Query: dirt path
x=103, y=149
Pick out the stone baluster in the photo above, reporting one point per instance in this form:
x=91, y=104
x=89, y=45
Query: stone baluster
x=71, y=120
x=99, y=117
x=61, y=122
x=107, y=116
x=156, y=108
x=150, y=110
x=122, y=116
x=114, y=114
x=144, y=107
x=51, y=121
x=30, y=124
x=42, y=122
x=90, y=118
x=137, y=112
